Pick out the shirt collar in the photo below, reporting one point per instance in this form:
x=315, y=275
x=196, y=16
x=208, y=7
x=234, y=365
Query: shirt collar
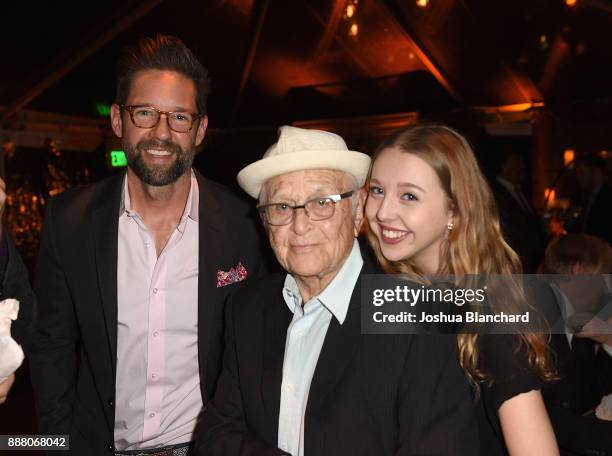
x=191, y=208
x=567, y=308
x=337, y=295
x=507, y=184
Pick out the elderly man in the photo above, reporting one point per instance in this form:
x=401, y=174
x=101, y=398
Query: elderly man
x=298, y=377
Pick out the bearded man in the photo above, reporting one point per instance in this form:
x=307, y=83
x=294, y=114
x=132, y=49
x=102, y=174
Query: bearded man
x=133, y=272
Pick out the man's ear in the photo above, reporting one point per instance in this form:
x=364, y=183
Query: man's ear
x=360, y=197
x=116, y=120
x=202, y=126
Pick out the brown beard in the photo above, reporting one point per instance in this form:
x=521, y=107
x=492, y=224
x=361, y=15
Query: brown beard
x=153, y=176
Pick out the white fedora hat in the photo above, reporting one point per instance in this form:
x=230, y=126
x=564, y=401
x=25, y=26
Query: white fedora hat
x=299, y=149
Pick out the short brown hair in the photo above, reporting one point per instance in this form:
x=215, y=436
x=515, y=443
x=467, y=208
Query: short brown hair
x=162, y=52
x=590, y=252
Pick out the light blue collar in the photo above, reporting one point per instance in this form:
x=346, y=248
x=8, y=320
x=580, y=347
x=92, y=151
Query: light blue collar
x=337, y=295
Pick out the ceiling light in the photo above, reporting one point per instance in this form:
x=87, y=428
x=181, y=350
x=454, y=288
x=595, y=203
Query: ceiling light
x=349, y=12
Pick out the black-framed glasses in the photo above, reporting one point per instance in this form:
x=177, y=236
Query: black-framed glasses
x=148, y=117
x=316, y=209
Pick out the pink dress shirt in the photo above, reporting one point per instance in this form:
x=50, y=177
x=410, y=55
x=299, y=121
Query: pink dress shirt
x=158, y=395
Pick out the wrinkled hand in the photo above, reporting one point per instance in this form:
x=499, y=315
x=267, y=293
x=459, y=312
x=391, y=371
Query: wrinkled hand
x=5, y=387
x=598, y=330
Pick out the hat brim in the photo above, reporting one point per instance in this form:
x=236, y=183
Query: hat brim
x=252, y=177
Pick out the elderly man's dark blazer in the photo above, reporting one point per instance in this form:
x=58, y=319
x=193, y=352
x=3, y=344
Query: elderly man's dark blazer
x=370, y=394
x=74, y=361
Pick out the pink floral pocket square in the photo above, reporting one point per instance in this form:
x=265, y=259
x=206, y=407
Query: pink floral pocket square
x=237, y=274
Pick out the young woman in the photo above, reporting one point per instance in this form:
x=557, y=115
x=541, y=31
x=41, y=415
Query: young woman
x=431, y=212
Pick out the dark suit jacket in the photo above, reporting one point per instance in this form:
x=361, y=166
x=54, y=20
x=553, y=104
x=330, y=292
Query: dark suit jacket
x=370, y=394
x=73, y=364
x=598, y=221
x=522, y=229
x=583, y=381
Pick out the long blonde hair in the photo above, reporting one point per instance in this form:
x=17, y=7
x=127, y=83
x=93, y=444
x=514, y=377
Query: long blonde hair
x=475, y=244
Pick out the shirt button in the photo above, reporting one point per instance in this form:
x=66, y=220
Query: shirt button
x=290, y=387
x=300, y=333
x=155, y=333
x=152, y=415
x=154, y=376
x=154, y=290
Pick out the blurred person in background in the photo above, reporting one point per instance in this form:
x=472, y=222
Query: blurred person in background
x=520, y=223
x=584, y=352
x=594, y=198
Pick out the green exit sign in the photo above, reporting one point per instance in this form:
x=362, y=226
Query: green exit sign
x=118, y=158
x=103, y=109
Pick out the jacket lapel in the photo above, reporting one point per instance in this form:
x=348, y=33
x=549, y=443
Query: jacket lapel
x=104, y=224
x=211, y=246
x=341, y=342
x=339, y=348
x=276, y=319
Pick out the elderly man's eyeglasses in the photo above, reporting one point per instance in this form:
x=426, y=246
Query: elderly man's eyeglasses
x=148, y=117
x=316, y=209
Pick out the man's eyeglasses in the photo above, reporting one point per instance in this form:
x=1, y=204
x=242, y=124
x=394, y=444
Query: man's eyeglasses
x=148, y=117
x=316, y=209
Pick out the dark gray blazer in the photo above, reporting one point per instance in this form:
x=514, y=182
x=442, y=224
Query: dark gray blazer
x=370, y=394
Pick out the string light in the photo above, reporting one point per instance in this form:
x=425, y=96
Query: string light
x=350, y=16
x=549, y=197
x=349, y=12
x=571, y=3
x=422, y=3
